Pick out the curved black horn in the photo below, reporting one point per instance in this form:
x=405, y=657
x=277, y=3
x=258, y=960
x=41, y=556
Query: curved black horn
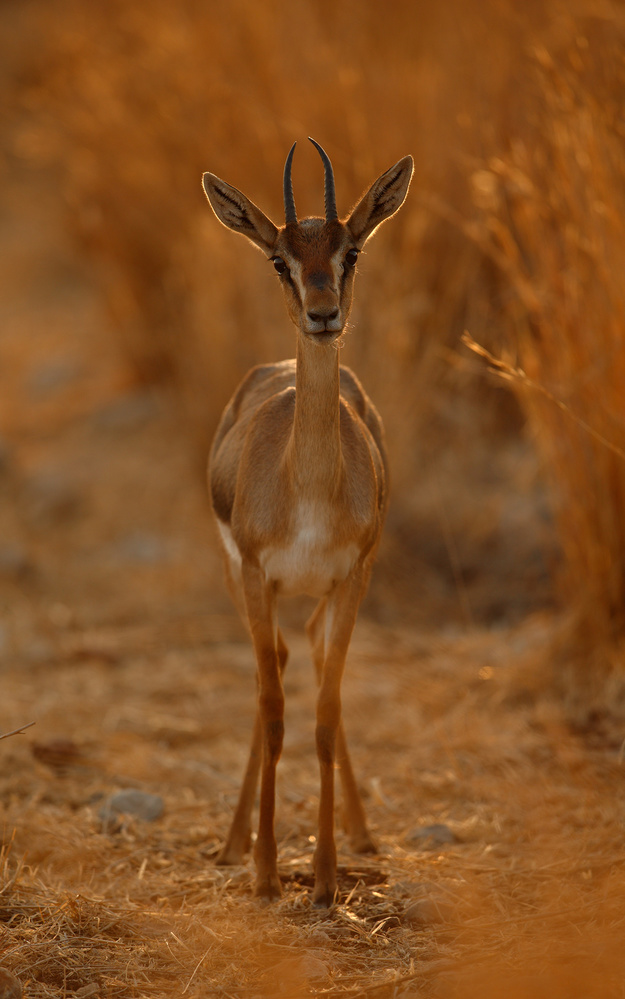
x=290, y=214
x=330, y=193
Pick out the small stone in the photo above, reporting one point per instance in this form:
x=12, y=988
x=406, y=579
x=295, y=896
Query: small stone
x=313, y=968
x=424, y=911
x=295, y=974
x=138, y=804
x=87, y=991
x=10, y=986
x=432, y=837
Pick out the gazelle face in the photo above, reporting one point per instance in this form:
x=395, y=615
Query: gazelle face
x=315, y=258
x=316, y=262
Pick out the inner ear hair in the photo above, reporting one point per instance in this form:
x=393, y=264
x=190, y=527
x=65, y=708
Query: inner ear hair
x=385, y=196
x=237, y=212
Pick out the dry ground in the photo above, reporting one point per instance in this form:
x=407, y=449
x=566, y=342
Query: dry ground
x=118, y=643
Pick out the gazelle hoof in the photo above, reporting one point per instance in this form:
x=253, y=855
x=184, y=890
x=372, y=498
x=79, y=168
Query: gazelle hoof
x=230, y=855
x=268, y=890
x=363, y=844
x=324, y=896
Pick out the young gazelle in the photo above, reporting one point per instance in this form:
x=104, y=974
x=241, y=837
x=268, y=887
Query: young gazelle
x=298, y=482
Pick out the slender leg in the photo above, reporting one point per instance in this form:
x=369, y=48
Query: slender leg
x=260, y=603
x=343, y=607
x=239, y=837
x=354, y=818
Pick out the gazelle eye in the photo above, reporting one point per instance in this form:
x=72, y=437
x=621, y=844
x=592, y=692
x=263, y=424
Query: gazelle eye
x=351, y=257
x=279, y=264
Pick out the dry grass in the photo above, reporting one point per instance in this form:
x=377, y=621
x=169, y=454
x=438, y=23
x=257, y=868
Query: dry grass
x=552, y=221
x=528, y=896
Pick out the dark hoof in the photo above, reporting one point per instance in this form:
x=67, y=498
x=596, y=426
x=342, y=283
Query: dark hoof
x=228, y=857
x=233, y=852
x=324, y=897
x=268, y=890
x=363, y=844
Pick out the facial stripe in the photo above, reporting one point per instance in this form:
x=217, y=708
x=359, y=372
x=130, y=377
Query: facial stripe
x=316, y=279
x=295, y=280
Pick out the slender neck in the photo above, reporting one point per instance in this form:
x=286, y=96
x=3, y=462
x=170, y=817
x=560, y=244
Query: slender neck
x=315, y=450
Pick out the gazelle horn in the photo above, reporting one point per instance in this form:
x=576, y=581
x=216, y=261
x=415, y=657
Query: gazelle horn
x=330, y=193
x=290, y=214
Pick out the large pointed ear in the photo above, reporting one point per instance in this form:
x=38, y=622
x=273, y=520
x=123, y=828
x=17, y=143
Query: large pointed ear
x=382, y=200
x=239, y=213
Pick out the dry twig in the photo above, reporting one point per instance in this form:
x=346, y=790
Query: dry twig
x=16, y=731
x=510, y=372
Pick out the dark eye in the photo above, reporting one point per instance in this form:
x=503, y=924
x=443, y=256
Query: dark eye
x=279, y=264
x=351, y=257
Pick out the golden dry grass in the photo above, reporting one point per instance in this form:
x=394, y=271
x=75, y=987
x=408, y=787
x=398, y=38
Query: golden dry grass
x=552, y=221
x=471, y=701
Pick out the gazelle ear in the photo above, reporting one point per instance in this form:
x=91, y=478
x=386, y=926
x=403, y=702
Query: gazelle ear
x=239, y=213
x=382, y=200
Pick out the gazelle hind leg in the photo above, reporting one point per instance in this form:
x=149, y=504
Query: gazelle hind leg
x=239, y=837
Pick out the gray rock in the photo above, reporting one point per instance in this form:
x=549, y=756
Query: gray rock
x=138, y=804
x=424, y=911
x=432, y=837
x=296, y=973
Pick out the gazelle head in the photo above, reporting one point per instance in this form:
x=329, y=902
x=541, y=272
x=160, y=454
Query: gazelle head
x=315, y=257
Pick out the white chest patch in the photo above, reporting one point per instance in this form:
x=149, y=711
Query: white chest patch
x=310, y=562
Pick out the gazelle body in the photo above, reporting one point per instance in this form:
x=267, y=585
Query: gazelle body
x=298, y=482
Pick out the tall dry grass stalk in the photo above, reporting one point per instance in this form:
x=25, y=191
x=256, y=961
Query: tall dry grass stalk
x=513, y=113
x=551, y=211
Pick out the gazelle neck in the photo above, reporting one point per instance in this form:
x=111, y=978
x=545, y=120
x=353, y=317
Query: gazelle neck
x=315, y=446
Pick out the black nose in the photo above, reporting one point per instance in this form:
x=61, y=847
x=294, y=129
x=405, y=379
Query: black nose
x=323, y=317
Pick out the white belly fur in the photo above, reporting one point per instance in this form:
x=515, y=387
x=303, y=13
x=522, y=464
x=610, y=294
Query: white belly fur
x=298, y=569
x=309, y=563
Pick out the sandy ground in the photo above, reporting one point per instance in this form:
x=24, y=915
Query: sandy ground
x=499, y=818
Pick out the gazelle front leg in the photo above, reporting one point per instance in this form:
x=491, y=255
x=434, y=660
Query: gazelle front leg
x=354, y=818
x=343, y=607
x=260, y=604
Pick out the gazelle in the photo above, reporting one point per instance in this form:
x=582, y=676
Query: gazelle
x=298, y=481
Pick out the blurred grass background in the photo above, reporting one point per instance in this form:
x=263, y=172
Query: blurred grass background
x=513, y=230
